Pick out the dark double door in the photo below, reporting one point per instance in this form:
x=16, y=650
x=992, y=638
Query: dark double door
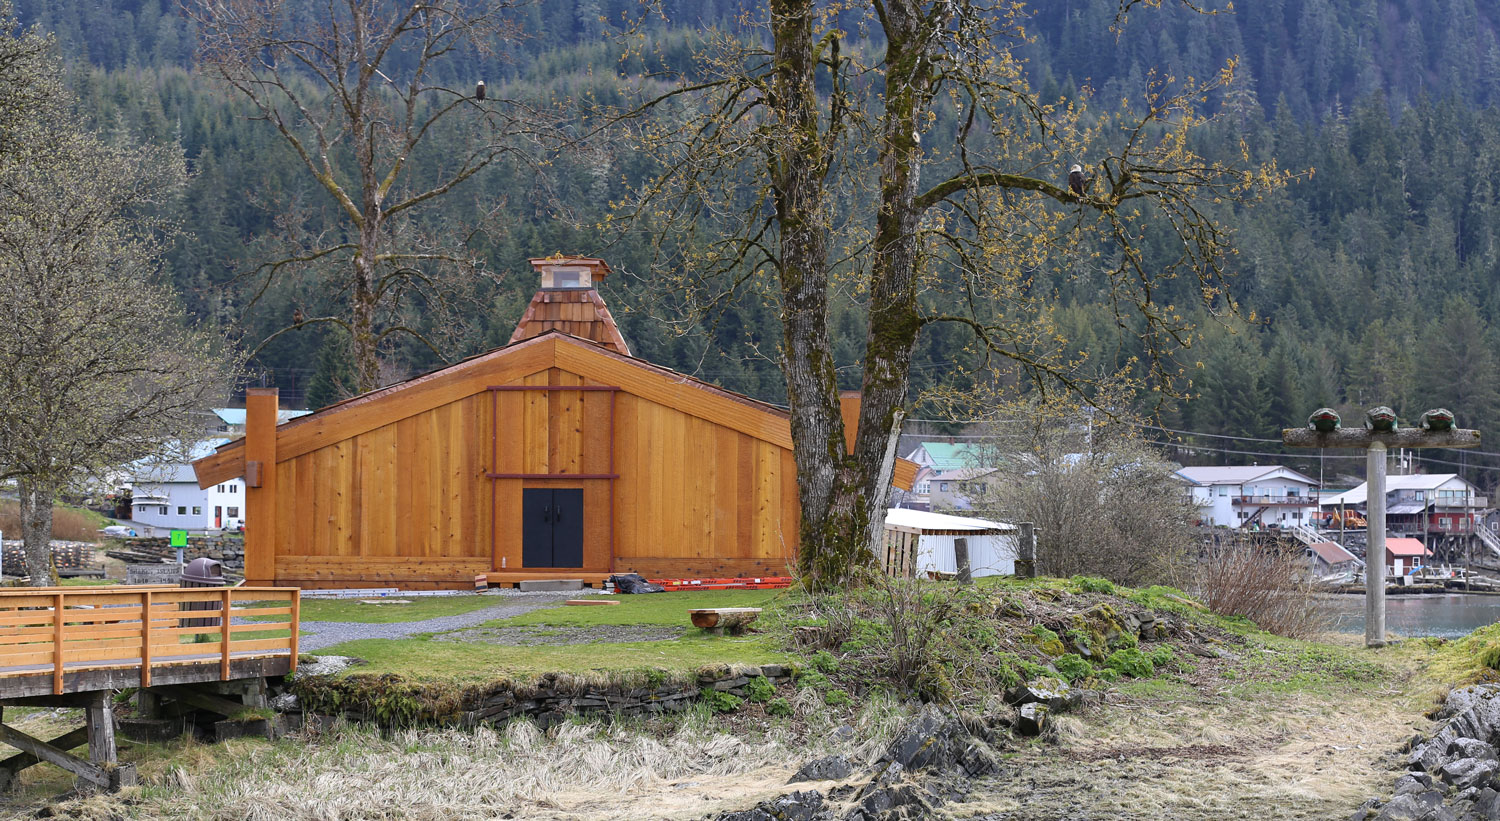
x=552, y=527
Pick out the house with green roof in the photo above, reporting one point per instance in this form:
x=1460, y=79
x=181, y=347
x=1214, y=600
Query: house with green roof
x=950, y=475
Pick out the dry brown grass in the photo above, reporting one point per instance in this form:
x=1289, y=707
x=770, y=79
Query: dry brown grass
x=1266, y=584
x=68, y=525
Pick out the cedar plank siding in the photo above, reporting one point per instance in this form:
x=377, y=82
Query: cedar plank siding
x=391, y=488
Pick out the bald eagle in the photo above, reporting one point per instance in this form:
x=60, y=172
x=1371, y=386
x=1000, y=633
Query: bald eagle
x=1076, y=180
x=479, y=91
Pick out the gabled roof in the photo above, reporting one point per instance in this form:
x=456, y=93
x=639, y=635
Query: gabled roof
x=175, y=467
x=1333, y=553
x=1241, y=474
x=949, y=455
x=1401, y=546
x=594, y=361
x=236, y=416
x=1419, y=481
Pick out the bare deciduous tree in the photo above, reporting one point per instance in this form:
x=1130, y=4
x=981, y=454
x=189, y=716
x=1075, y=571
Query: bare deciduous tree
x=804, y=151
x=351, y=91
x=1104, y=502
x=97, y=364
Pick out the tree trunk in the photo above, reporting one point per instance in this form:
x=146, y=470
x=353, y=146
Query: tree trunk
x=36, y=531
x=362, y=323
x=858, y=500
x=798, y=169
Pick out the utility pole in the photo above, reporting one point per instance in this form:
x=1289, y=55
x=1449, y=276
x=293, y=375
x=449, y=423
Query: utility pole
x=1381, y=432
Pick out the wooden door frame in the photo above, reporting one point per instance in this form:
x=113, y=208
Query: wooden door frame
x=611, y=477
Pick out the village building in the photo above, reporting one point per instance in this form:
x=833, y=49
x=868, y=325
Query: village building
x=229, y=423
x=557, y=456
x=165, y=495
x=1254, y=496
x=1329, y=558
x=1425, y=505
x=927, y=542
x=1403, y=555
x=950, y=476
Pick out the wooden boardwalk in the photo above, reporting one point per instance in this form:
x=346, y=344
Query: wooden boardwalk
x=73, y=647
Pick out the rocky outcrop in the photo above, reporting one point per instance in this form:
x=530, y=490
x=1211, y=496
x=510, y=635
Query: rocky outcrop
x=931, y=762
x=1453, y=775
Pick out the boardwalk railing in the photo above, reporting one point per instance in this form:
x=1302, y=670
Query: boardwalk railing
x=62, y=630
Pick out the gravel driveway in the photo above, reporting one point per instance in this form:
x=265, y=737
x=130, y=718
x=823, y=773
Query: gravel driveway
x=319, y=634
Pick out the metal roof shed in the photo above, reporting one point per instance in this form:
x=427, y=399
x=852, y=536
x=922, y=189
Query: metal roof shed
x=992, y=545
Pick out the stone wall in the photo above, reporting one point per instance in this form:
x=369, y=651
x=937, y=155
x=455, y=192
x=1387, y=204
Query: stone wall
x=227, y=549
x=387, y=702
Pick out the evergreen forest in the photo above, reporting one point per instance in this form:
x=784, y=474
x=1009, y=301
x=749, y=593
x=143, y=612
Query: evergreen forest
x=1374, y=278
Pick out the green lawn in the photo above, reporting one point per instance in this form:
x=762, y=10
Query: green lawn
x=657, y=608
x=426, y=657
x=421, y=607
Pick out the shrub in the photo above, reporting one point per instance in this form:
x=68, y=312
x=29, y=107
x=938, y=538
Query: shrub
x=812, y=678
x=836, y=698
x=720, y=701
x=1073, y=667
x=1270, y=586
x=778, y=707
x=1090, y=584
x=1162, y=656
x=1131, y=662
x=824, y=662
x=759, y=690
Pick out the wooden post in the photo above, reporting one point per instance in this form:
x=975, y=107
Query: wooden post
x=99, y=718
x=146, y=638
x=1375, y=546
x=224, y=635
x=58, y=603
x=297, y=617
x=961, y=558
x=261, y=405
x=1026, y=551
x=1375, y=444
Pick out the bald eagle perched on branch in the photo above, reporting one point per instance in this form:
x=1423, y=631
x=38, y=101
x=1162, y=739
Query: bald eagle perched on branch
x=1077, y=182
x=479, y=91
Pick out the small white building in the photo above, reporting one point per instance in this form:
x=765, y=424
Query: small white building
x=992, y=545
x=1255, y=495
x=230, y=422
x=165, y=496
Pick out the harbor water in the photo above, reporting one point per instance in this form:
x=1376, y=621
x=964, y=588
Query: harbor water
x=1443, y=615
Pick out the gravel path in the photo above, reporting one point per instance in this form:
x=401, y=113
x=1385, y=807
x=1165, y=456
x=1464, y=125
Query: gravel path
x=319, y=634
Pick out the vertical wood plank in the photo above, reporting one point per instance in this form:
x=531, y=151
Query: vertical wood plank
x=260, y=502
x=58, y=603
x=376, y=491
x=627, y=505
x=146, y=638
x=306, y=527
x=286, y=509
x=744, y=512
x=791, y=509
x=726, y=491
x=99, y=718
x=295, y=623
x=224, y=635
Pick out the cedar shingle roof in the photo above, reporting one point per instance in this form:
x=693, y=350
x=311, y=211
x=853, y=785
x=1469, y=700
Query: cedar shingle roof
x=577, y=312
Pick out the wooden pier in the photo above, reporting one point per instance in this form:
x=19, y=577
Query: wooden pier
x=74, y=647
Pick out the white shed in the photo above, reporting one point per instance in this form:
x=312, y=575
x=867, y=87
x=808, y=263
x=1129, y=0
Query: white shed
x=992, y=545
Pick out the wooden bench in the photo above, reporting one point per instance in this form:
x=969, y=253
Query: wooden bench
x=718, y=620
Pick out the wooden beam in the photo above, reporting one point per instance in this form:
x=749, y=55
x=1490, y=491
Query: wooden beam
x=261, y=405
x=1406, y=438
x=46, y=752
x=201, y=700
x=12, y=767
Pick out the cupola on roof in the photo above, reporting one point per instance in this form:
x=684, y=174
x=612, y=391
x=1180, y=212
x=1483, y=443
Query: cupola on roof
x=567, y=302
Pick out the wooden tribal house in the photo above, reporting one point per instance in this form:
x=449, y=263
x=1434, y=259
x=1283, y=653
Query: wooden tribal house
x=557, y=456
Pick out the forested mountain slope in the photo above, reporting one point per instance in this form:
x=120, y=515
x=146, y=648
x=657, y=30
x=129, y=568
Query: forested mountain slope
x=1376, y=279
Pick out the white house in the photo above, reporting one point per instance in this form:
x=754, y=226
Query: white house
x=165, y=496
x=1257, y=495
x=1436, y=504
x=992, y=545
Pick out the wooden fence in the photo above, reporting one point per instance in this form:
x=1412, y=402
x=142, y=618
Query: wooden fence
x=63, y=630
x=900, y=557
